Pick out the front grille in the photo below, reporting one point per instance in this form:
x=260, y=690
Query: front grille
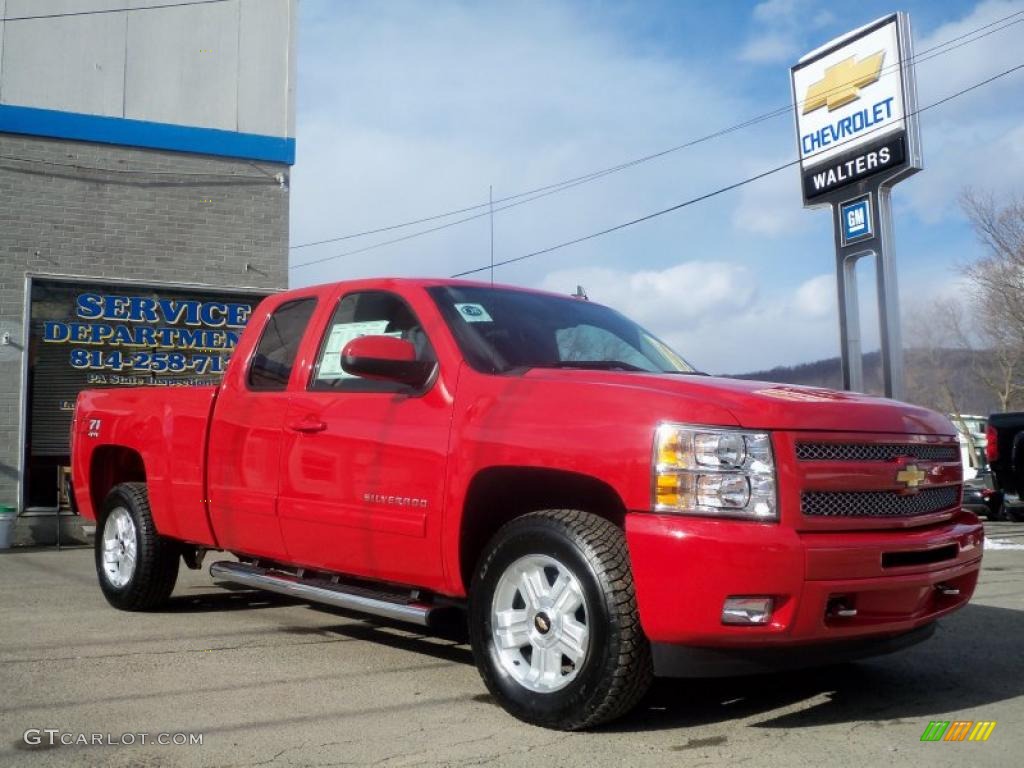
x=874, y=452
x=878, y=503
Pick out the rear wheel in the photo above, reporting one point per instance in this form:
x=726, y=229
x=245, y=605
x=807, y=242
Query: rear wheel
x=137, y=567
x=553, y=621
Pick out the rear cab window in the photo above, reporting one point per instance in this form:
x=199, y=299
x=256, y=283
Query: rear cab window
x=272, y=363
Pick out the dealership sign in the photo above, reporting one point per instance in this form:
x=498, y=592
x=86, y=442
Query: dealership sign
x=855, y=105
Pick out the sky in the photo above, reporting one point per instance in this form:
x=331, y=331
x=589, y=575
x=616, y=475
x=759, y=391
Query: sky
x=406, y=110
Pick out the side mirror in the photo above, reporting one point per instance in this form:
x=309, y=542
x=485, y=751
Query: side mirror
x=385, y=358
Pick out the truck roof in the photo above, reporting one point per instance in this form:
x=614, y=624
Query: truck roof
x=426, y=282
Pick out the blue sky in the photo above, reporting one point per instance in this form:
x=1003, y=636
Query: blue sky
x=410, y=109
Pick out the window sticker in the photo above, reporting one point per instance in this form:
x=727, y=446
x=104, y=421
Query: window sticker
x=474, y=313
x=342, y=334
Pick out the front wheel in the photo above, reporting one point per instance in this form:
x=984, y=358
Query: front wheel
x=137, y=567
x=554, y=624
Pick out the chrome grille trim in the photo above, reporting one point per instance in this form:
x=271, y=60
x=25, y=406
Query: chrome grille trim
x=875, y=452
x=878, y=503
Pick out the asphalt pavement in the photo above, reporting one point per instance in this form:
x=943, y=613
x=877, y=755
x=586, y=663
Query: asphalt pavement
x=265, y=681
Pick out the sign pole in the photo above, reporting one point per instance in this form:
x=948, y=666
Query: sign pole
x=889, y=300
x=876, y=243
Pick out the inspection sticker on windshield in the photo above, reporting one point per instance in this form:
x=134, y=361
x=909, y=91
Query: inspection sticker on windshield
x=473, y=313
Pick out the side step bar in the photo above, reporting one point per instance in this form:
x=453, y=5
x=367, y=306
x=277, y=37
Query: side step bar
x=322, y=591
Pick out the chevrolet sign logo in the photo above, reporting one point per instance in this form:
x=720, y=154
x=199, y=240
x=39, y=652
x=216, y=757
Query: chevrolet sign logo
x=912, y=476
x=842, y=82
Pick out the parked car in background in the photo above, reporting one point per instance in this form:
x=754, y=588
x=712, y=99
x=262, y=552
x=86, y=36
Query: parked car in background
x=971, y=435
x=1005, y=454
x=981, y=498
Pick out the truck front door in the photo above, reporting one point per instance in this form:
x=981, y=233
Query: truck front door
x=363, y=461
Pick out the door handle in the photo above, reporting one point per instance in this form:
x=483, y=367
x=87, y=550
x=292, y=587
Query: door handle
x=308, y=425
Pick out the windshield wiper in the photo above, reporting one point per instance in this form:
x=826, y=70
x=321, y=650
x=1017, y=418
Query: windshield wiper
x=593, y=365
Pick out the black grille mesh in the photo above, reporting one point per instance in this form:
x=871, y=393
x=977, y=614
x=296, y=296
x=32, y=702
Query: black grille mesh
x=878, y=503
x=874, y=452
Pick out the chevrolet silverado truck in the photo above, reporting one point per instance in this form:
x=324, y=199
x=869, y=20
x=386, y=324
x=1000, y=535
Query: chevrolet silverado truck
x=596, y=509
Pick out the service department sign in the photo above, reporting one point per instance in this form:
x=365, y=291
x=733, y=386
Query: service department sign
x=94, y=334
x=855, y=105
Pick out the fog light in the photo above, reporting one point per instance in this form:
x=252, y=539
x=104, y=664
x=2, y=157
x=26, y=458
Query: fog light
x=747, y=610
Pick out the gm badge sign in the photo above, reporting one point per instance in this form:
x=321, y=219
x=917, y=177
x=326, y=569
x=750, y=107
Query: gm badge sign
x=853, y=92
x=857, y=220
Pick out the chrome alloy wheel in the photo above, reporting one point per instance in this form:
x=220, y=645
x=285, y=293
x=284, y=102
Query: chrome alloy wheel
x=119, y=547
x=539, y=621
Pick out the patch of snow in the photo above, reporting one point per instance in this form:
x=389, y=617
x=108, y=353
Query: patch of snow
x=1002, y=544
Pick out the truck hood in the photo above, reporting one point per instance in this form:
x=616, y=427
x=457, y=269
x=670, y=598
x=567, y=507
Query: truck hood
x=766, y=405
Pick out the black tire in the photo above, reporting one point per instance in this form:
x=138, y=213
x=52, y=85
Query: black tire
x=616, y=670
x=156, y=563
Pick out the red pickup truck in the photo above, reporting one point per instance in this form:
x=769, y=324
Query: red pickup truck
x=601, y=511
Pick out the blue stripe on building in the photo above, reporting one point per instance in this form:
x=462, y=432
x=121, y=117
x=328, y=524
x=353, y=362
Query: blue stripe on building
x=142, y=133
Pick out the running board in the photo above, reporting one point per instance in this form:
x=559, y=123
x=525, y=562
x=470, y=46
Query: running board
x=322, y=591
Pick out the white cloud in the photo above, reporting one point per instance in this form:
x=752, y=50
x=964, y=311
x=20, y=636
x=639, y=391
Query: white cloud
x=773, y=207
x=816, y=298
x=977, y=139
x=412, y=109
x=712, y=314
x=682, y=296
x=779, y=28
x=773, y=11
x=769, y=49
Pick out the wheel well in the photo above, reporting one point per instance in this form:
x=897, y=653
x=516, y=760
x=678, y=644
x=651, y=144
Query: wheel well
x=500, y=494
x=112, y=464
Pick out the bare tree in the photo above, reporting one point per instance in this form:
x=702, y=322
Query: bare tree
x=997, y=283
x=935, y=379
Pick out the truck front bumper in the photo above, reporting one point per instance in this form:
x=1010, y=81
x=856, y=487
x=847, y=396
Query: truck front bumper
x=896, y=581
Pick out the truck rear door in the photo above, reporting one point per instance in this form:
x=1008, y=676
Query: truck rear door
x=248, y=429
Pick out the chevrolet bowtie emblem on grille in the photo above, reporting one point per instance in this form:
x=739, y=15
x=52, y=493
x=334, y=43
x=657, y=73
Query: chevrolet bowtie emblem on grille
x=842, y=82
x=911, y=475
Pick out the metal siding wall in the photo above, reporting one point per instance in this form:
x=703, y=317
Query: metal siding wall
x=182, y=66
x=153, y=64
x=74, y=63
x=263, y=69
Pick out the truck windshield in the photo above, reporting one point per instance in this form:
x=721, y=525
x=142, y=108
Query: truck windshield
x=500, y=330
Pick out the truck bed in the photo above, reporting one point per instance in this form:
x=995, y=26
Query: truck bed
x=157, y=434
x=1006, y=426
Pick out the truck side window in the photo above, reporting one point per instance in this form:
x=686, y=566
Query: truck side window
x=370, y=313
x=271, y=366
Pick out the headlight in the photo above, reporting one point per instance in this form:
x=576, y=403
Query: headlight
x=714, y=472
